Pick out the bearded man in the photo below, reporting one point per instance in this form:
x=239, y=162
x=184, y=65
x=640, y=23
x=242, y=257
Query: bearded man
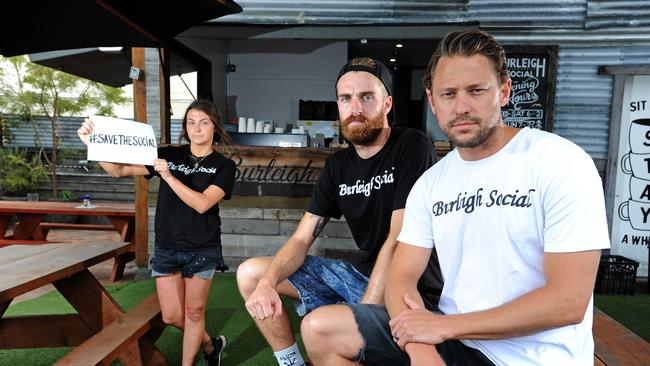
x=368, y=184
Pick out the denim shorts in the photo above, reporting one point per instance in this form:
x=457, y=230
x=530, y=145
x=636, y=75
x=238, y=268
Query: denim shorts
x=167, y=261
x=323, y=281
x=379, y=349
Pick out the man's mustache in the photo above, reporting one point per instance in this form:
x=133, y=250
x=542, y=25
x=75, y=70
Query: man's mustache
x=463, y=118
x=359, y=118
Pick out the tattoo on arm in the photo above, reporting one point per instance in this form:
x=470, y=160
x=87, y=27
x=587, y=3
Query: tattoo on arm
x=320, y=224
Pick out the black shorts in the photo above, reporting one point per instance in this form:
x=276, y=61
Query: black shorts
x=379, y=348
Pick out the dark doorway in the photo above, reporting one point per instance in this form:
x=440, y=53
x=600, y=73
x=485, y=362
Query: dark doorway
x=407, y=64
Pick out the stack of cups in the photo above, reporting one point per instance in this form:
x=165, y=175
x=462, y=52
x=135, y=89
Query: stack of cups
x=250, y=126
x=241, y=128
x=259, y=127
x=268, y=127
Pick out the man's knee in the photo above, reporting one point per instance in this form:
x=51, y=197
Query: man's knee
x=331, y=328
x=249, y=274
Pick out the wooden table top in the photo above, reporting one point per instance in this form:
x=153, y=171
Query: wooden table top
x=26, y=267
x=68, y=208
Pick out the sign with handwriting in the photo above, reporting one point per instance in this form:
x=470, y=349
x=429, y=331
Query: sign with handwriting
x=120, y=141
x=532, y=71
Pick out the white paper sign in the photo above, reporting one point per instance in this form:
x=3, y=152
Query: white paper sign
x=120, y=141
x=631, y=219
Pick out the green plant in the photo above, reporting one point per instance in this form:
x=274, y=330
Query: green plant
x=65, y=195
x=19, y=173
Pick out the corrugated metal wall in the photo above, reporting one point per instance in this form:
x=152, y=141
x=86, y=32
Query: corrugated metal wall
x=617, y=13
x=529, y=13
x=348, y=12
x=23, y=134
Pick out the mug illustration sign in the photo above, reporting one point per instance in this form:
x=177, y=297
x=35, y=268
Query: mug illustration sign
x=636, y=164
x=637, y=213
x=640, y=136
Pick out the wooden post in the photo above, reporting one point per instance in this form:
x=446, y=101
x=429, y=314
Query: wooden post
x=141, y=207
x=165, y=98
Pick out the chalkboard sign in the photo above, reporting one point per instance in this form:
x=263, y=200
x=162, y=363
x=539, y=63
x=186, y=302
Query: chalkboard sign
x=533, y=71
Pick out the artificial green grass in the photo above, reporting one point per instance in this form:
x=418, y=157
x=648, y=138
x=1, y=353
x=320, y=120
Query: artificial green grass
x=631, y=311
x=225, y=314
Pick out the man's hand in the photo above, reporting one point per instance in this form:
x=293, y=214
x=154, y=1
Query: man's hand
x=264, y=302
x=416, y=324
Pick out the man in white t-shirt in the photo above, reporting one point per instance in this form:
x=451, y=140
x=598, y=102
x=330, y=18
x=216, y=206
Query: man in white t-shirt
x=517, y=217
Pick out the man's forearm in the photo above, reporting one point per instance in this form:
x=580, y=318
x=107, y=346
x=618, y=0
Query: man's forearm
x=376, y=284
x=286, y=261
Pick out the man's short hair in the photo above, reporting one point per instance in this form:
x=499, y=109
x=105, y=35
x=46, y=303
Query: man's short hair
x=371, y=66
x=469, y=43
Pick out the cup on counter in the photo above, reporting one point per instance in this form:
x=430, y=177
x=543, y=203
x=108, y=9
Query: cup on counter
x=267, y=127
x=279, y=130
x=250, y=125
x=259, y=127
x=241, y=126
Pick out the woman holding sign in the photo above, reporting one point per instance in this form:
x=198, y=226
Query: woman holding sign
x=194, y=178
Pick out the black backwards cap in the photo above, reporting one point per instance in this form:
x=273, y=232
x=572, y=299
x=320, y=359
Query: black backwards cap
x=379, y=70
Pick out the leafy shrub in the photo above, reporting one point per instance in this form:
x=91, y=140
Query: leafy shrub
x=20, y=174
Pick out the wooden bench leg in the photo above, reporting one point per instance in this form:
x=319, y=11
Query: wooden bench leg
x=119, y=264
x=131, y=355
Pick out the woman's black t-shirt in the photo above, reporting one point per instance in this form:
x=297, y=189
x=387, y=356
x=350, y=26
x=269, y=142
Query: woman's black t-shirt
x=177, y=225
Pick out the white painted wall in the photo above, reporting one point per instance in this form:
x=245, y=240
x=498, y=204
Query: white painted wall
x=273, y=75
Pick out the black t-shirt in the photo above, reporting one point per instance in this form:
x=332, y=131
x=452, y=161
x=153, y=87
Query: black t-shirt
x=367, y=191
x=177, y=225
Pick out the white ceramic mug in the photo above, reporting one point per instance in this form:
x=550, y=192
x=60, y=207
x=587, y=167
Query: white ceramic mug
x=636, y=164
x=637, y=213
x=241, y=127
x=250, y=125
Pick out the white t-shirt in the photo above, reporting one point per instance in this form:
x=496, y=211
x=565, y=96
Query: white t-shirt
x=492, y=220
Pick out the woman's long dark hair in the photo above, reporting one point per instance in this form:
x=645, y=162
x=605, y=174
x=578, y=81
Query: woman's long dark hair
x=220, y=135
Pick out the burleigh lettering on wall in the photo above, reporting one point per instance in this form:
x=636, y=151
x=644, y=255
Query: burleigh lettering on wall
x=272, y=173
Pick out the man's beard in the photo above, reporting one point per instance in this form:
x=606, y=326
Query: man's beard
x=484, y=132
x=365, y=133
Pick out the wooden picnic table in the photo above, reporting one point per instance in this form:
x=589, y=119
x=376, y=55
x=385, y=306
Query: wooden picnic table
x=29, y=226
x=65, y=265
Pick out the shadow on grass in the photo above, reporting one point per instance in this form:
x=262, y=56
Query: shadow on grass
x=245, y=346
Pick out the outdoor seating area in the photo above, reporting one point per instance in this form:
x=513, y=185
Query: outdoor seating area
x=179, y=181
x=135, y=314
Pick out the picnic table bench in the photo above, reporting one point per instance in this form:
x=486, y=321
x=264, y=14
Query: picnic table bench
x=123, y=336
x=616, y=345
x=31, y=229
x=100, y=326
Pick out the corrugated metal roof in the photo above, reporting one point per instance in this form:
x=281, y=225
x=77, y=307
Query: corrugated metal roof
x=348, y=12
x=529, y=13
x=583, y=98
x=617, y=13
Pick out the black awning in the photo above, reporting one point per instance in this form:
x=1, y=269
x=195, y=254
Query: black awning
x=47, y=25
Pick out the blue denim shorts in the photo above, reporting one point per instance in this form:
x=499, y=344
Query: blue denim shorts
x=200, y=263
x=379, y=349
x=323, y=281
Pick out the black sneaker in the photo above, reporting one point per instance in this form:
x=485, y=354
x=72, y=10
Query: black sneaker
x=214, y=358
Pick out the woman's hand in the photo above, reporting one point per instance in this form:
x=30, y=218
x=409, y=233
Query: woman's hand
x=162, y=167
x=85, y=130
